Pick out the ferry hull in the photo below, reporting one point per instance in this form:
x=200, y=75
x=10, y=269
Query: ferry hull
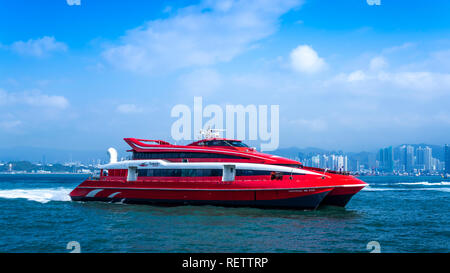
x=340, y=196
x=337, y=200
x=285, y=199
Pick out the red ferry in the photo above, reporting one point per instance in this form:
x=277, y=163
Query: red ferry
x=214, y=171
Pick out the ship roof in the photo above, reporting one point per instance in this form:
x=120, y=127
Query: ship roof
x=147, y=145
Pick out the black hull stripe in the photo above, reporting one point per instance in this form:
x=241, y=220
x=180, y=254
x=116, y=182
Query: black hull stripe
x=337, y=200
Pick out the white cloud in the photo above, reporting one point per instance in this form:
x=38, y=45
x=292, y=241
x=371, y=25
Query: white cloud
x=167, y=9
x=311, y=124
x=3, y=97
x=401, y=47
x=199, y=35
x=378, y=63
x=422, y=80
x=305, y=60
x=39, y=47
x=421, y=83
x=356, y=76
x=254, y=81
x=10, y=124
x=443, y=117
x=33, y=98
x=129, y=109
x=36, y=98
x=200, y=81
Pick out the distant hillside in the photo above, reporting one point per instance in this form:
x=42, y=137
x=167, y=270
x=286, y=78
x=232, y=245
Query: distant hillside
x=294, y=152
x=26, y=166
x=49, y=155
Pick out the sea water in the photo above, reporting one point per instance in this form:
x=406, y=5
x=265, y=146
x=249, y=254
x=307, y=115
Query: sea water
x=401, y=214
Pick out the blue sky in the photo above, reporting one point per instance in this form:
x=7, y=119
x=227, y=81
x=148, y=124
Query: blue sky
x=346, y=75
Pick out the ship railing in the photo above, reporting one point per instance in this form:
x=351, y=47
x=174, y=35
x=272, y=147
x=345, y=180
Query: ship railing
x=94, y=177
x=160, y=142
x=327, y=170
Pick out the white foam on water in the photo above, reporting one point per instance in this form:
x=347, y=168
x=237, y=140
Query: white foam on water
x=437, y=189
x=39, y=195
x=425, y=183
x=368, y=188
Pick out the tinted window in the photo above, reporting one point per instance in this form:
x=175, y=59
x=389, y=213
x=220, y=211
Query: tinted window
x=179, y=172
x=216, y=143
x=237, y=144
x=251, y=172
x=260, y=172
x=225, y=143
x=147, y=155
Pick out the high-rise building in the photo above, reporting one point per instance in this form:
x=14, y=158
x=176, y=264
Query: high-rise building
x=330, y=162
x=437, y=165
x=428, y=156
x=402, y=158
x=371, y=161
x=342, y=163
x=409, y=158
x=420, y=158
x=447, y=158
x=315, y=161
x=424, y=158
x=386, y=156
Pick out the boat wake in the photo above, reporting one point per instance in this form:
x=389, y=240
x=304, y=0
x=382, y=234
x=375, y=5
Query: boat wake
x=425, y=183
x=369, y=188
x=395, y=187
x=44, y=195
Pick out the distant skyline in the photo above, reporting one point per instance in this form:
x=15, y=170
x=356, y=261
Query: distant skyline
x=55, y=155
x=346, y=75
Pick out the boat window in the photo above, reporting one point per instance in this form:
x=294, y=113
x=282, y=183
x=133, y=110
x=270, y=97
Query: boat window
x=174, y=173
x=179, y=172
x=188, y=172
x=240, y=172
x=238, y=144
x=276, y=176
x=234, y=143
x=149, y=155
x=251, y=172
x=216, y=143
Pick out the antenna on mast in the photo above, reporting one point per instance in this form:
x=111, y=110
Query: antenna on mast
x=210, y=133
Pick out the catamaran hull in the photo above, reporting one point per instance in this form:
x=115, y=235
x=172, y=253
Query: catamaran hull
x=337, y=200
x=340, y=196
x=284, y=199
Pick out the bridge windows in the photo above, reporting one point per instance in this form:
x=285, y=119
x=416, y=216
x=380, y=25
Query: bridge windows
x=179, y=172
x=149, y=155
